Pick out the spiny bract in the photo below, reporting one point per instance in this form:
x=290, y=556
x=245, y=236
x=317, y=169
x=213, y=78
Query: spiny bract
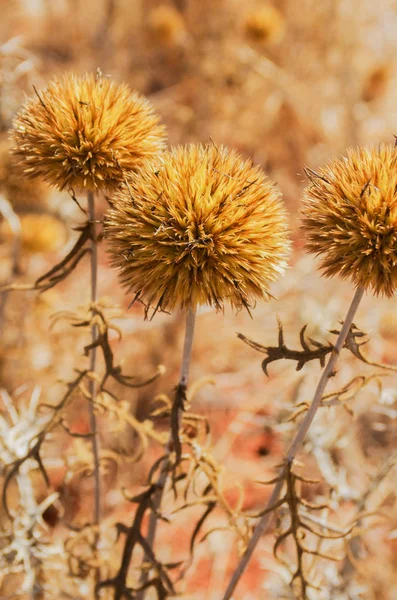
x=350, y=217
x=198, y=226
x=83, y=132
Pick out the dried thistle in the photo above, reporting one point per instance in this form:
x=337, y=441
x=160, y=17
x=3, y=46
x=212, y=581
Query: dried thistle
x=350, y=217
x=198, y=226
x=83, y=132
x=265, y=25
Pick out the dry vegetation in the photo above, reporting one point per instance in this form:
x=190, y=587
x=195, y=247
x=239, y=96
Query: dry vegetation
x=182, y=468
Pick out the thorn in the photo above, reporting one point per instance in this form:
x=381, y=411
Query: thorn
x=280, y=333
x=264, y=366
x=302, y=338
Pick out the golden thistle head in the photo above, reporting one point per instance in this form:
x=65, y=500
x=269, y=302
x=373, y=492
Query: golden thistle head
x=83, y=132
x=350, y=217
x=198, y=226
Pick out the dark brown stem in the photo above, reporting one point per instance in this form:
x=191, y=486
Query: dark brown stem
x=296, y=444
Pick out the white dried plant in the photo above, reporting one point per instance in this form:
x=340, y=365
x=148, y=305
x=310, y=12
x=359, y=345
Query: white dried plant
x=25, y=544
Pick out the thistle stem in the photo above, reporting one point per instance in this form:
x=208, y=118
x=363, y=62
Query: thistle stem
x=92, y=382
x=162, y=479
x=296, y=444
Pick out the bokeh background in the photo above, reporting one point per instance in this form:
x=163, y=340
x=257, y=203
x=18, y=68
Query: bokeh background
x=289, y=84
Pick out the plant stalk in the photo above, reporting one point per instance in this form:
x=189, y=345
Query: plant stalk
x=162, y=479
x=296, y=443
x=92, y=382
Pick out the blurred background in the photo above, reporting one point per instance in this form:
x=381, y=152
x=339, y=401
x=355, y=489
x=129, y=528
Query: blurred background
x=289, y=84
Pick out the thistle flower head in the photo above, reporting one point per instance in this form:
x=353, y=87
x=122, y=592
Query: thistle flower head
x=350, y=217
x=198, y=226
x=83, y=132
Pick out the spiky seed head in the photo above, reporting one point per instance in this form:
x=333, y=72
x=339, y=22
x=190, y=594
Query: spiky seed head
x=199, y=226
x=265, y=25
x=350, y=217
x=84, y=132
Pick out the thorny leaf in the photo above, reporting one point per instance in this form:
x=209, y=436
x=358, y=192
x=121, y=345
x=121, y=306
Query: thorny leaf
x=299, y=511
x=355, y=348
x=61, y=270
x=133, y=536
x=311, y=349
x=96, y=317
x=318, y=351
